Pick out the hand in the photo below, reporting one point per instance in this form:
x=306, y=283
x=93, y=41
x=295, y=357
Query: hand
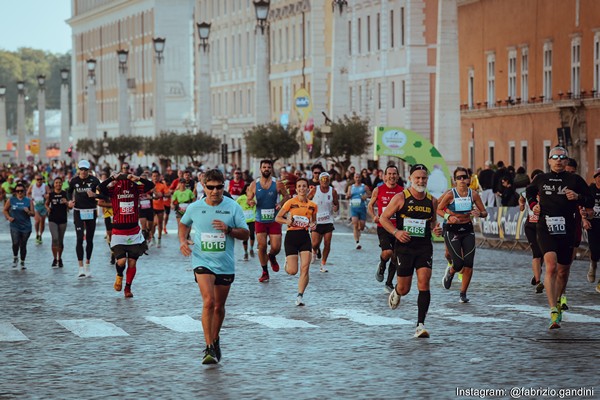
x=185, y=248
x=251, y=203
x=536, y=209
x=402, y=236
x=586, y=224
x=71, y=203
x=475, y=213
x=437, y=231
x=219, y=225
x=312, y=226
x=376, y=219
x=335, y=208
x=91, y=193
x=571, y=195
x=10, y=219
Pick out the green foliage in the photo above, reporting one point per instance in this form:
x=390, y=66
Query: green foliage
x=192, y=144
x=93, y=148
x=124, y=146
x=272, y=141
x=349, y=137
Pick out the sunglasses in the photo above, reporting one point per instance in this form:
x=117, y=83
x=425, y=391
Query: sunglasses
x=213, y=187
x=83, y=169
x=19, y=191
x=558, y=157
x=461, y=177
x=38, y=179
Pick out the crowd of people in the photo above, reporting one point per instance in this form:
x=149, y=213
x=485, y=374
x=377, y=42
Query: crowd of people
x=214, y=209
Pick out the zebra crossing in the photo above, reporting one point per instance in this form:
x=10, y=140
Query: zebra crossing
x=100, y=328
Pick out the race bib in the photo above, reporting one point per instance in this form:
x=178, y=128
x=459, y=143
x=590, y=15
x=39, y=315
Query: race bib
x=556, y=225
x=86, y=215
x=323, y=218
x=597, y=211
x=415, y=227
x=300, y=221
x=534, y=218
x=462, y=204
x=145, y=204
x=267, y=214
x=126, y=207
x=183, y=206
x=212, y=242
x=248, y=214
x=355, y=202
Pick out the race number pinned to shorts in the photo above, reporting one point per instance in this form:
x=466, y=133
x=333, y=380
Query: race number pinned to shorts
x=415, y=227
x=126, y=207
x=183, y=207
x=462, y=204
x=145, y=204
x=300, y=221
x=267, y=214
x=556, y=225
x=212, y=242
x=86, y=215
x=355, y=202
x=323, y=218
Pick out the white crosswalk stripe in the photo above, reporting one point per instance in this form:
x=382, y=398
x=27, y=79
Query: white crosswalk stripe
x=276, y=322
x=178, y=323
x=90, y=328
x=544, y=312
x=366, y=318
x=9, y=333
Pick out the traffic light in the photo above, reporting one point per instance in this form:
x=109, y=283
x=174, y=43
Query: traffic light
x=224, y=153
x=69, y=151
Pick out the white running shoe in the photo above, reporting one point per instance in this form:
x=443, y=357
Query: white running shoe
x=81, y=273
x=314, y=258
x=299, y=300
x=87, y=270
x=358, y=246
x=323, y=268
x=394, y=299
x=421, y=332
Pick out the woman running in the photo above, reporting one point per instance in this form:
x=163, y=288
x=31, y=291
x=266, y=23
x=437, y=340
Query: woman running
x=18, y=210
x=57, y=206
x=250, y=214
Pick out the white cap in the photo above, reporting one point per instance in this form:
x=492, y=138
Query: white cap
x=84, y=164
x=324, y=175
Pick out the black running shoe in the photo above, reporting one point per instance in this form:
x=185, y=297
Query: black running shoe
x=209, y=356
x=533, y=281
x=447, y=279
x=380, y=272
x=318, y=253
x=60, y=263
x=217, y=346
x=55, y=263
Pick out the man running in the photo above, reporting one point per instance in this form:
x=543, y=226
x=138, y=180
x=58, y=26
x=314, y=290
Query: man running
x=326, y=198
x=263, y=193
x=217, y=222
x=82, y=192
x=415, y=218
x=127, y=242
x=560, y=193
x=383, y=194
x=236, y=185
x=160, y=192
x=594, y=230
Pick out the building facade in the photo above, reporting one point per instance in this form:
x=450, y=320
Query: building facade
x=529, y=76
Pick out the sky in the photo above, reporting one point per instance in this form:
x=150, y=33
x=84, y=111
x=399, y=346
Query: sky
x=39, y=24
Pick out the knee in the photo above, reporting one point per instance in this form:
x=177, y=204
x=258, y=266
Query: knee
x=219, y=308
x=209, y=304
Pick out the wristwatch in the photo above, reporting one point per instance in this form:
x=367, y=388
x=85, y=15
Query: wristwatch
x=229, y=229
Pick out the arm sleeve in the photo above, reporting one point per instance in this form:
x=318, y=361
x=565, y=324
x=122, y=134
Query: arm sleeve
x=585, y=194
x=531, y=193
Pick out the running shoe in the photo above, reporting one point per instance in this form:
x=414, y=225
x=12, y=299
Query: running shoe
x=394, y=299
x=118, y=283
x=380, y=271
x=319, y=253
x=87, y=270
x=23, y=264
x=60, y=263
x=112, y=259
x=560, y=314
x=314, y=258
x=534, y=281
x=210, y=357
x=165, y=231
x=563, y=303
x=217, y=347
x=55, y=263
x=127, y=292
x=245, y=256
x=81, y=273
x=421, y=332
x=15, y=262
x=274, y=265
x=264, y=277
x=358, y=246
x=447, y=279
x=252, y=253
x=158, y=243
x=464, y=298
x=299, y=300
x=323, y=269
x=554, y=323
x=591, y=274
x=388, y=287
x=540, y=287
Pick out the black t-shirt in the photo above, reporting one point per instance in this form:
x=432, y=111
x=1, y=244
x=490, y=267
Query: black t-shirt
x=58, y=209
x=78, y=191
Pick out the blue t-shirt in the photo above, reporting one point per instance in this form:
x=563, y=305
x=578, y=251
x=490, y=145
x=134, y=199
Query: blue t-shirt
x=213, y=249
x=22, y=222
x=356, y=193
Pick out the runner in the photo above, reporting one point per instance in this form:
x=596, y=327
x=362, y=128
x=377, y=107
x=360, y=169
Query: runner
x=169, y=177
x=146, y=213
x=82, y=192
x=382, y=195
x=236, y=184
x=8, y=187
x=559, y=193
x=358, y=193
x=181, y=198
x=127, y=242
x=531, y=233
x=57, y=206
x=160, y=192
x=18, y=210
x=326, y=198
x=217, y=222
x=250, y=215
x=594, y=230
x=38, y=192
x=410, y=218
x=300, y=214
x=263, y=193
x=458, y=206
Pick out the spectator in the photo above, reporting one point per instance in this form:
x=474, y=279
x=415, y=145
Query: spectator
x=486, y=179
x=509, y=197
x=521, y=180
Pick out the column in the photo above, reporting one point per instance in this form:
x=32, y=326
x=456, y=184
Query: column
x=42, y=118
x=22, y=158
x=65, y=131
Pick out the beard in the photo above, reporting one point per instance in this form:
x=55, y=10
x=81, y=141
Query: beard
x=420, y=189
x=266, y=174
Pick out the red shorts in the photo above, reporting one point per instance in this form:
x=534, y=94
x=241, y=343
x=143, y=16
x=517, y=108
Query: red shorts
x=270, y=228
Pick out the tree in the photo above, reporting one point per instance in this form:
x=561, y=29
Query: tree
x=349, y=137
x=162, y=146
x=195, y=144
x=272, y=141
x=124, y=146
x=94, y=148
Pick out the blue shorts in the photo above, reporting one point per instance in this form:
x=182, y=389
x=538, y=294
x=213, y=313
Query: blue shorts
x=41, y=209
x=360, y=213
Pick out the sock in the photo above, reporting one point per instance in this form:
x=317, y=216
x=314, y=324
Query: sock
x=423, y=301
x=300, y=294
x=264, y=267
x=120, y=269
x=130, y=275
x=382, y=261
x=391, y=273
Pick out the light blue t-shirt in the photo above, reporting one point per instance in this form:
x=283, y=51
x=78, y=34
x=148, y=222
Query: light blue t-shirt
x=213, y=249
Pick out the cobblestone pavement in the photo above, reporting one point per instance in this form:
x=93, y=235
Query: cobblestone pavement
x=64, y=337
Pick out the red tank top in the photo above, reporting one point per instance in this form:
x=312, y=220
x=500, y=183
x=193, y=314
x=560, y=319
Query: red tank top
x=235, y=188
x=384, y=196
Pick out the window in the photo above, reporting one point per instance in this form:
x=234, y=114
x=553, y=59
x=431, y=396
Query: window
x=511, y=153
x=546, y=155
x=491, y=146
x=575, y=66
x=524, y=154
x=360, y=92
x=379, y=96
x=401, y=26
x=597, y=154
x=393, y=93
x=359, y=36
x=349, y=38
x=350, y=102
x=512, y=74
x=368, y=34
x=491, y=79
x=378, y=31
x=471, y=84
x=547, y=71
x=403, y=94
x=471, y=155
x=597, y=63
x=524, y=74
x=392, y=28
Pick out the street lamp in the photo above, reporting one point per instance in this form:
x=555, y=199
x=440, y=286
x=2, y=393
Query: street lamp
x=203, y=33
x=122, y=56
x=3, y=132
x=159, y=47
x=64, y=113
x=91, y=67
x=64, y=75
x=261, y=7
x=340, y=4
x=21, y=121
x=42, y=116
x=159, y=97
x=91, y=91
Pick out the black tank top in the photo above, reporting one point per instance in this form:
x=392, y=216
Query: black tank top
x=415, y=217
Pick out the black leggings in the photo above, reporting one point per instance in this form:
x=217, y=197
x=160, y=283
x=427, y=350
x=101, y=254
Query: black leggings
x=594, y=240
x=461, y=246
x=87, y=228
x=19, y=242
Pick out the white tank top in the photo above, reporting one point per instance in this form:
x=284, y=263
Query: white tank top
x=324, y=203
x=38, y=192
